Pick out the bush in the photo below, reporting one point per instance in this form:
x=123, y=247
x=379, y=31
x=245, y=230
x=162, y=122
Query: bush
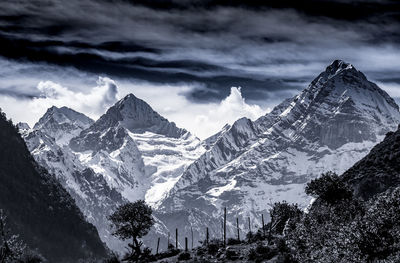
x=31, y=256
x=233, y=241
x=265, y=251
x=146, y=255
x=112, y=258
x=281, y=246
x=252, y=254
x=184, y=256
x=213, y=246
x=261, y=253
x=231, y=254
x=283, y=215
x=285, y=258
x=330, y=188
x=255, y=237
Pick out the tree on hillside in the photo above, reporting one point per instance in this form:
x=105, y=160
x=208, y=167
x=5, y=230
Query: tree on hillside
x=329, y=188
x=281, y=214
x=10, y=247
x=132, y=221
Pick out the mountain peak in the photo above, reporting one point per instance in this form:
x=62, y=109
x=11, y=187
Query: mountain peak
x=62, y=123
x=138, y=116
x=130, y=113
x=62, y=115
x=341, y=69
x=338, y=65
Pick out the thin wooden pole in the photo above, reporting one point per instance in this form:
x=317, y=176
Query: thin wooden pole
x=186, y=244
x=263, y=227
x=222, y=230
x=207, y=236
x=191, y=230
x=237, y=226
x=158, y=244
x=176, y=238
x=168, y=241
x=224, y=226
x=250, y=234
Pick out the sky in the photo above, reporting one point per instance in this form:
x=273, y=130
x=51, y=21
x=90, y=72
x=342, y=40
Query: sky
x=201, y=64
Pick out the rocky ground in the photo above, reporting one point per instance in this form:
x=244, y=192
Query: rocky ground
x=245, y=251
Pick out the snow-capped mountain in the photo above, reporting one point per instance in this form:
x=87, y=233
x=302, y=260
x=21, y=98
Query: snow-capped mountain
x=330, y=125
x=90, y=190
x=142, y=153
x=130, y=153
x=62, y=124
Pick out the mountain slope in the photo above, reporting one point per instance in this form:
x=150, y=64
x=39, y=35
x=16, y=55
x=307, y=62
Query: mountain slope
x=330, y=125
x=130, y=153
x=145, y=152
x=90, y=190
x=62, y=124
x=38, y=207
x=379, y=170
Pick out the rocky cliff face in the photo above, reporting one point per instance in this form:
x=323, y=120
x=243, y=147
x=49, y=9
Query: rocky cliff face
x=330, y=125
x=39, y=209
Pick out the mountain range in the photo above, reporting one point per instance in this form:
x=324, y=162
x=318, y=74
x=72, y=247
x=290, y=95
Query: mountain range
x=131, y=152
x=248, y=166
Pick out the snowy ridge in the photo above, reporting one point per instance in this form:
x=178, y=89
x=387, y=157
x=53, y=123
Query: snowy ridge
x=62, y=124
x=130, y=153
x=330, y=125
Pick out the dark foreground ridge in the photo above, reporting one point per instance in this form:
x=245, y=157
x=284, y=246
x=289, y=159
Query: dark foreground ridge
x=38, y=209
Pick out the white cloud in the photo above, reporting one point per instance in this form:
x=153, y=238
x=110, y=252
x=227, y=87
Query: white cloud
x=228, y=111
x=392, y=88
x=92, y=104
x=202, y=119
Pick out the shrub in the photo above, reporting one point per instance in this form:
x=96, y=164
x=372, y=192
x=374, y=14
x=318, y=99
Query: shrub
x=265, y=251
x=283, y=215
x=231, y=254
x=184, y=256
x=233, y=241
x=255, y=237
x=261, y=253
x=330, y=188
x=30, y=256
x=252, y=254
x=213, y=246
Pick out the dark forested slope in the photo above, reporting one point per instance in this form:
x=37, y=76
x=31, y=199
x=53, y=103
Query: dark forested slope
x=38, y=208
x=377, y=171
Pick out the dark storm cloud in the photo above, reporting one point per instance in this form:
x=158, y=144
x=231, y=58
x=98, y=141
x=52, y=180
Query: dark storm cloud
x=264, y=46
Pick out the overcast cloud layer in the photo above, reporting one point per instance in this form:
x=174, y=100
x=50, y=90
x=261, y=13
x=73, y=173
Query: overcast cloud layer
x=189, y=52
